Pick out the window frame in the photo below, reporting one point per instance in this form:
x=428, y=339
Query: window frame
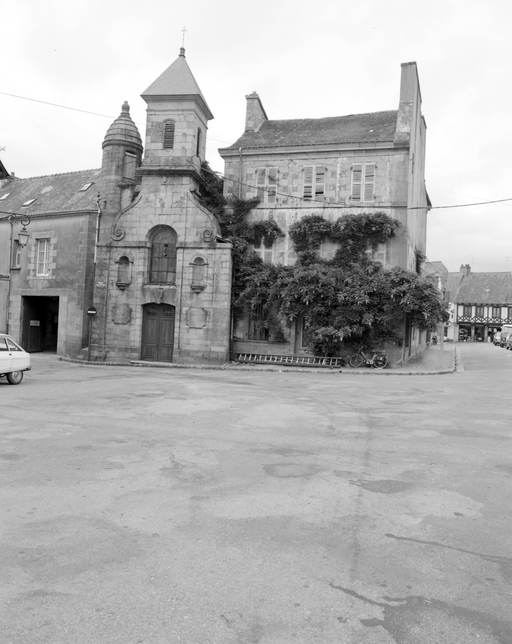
x=16, y=255
x=266, y=184
x=43, y=249
x=313, y=188
x=256, y=330
x=164, y=258
x=362, y=189
x=264, y=253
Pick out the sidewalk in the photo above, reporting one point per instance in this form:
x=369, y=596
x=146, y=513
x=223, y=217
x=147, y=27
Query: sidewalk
x=432, y=361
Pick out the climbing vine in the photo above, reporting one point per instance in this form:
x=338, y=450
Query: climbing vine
x=348, y=299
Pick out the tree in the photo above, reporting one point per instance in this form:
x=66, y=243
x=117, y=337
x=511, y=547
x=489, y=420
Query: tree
x=347, y=300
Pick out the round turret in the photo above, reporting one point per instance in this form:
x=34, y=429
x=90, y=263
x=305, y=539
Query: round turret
x=123, y=131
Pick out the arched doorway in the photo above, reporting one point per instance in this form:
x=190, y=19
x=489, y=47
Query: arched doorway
x=158, y=332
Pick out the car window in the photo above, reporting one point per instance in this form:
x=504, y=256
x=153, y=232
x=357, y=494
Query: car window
x=3, y=344
x=12, y=345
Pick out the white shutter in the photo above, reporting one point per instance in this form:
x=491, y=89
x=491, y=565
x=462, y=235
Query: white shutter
x=272, y=185
x=260, y=183
x=357, y=172
x=369, y=181
x=308, y=182
x=320, y=181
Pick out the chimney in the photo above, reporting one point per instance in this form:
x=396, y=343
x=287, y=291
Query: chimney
x=410, y=100
x=255, y=114
x=465, y=269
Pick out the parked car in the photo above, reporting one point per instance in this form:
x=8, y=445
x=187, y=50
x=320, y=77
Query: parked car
x=506, y=330
x=496, y=339
x=13, y=360
x=508, y=343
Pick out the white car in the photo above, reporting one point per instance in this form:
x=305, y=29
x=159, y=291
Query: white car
x=13, y=360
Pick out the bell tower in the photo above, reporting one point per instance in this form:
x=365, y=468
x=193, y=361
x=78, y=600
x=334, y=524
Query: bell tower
x=177, y=121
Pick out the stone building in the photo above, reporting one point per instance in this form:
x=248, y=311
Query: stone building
x=162, y=285
x=360, y=163
x=132, y=239
x=46, y=286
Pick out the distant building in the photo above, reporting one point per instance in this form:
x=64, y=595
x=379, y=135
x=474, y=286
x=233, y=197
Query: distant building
x=330, y=167
x=479, y=304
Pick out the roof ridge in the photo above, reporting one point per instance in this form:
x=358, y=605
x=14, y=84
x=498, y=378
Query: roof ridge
x=59, y=174
x=340, y=116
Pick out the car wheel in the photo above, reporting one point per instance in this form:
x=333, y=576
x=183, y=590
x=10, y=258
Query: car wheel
x=15, y=377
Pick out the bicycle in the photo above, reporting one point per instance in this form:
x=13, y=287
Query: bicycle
x=377, y=360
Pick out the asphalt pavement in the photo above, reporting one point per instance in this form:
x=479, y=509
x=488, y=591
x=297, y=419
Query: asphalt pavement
x=157, y=506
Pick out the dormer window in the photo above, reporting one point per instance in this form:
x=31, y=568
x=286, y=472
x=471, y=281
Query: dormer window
x=27, y=203
x=4, y=196
x=169, y=134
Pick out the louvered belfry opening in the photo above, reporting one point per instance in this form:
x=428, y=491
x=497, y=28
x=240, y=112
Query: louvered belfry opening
x=169, y=135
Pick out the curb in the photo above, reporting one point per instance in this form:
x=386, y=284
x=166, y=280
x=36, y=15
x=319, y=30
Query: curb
x=456, y=367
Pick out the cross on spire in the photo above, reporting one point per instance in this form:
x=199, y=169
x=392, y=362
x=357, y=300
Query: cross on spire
x=183, y=38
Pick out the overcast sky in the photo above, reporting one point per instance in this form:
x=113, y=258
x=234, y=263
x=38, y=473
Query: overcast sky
x=305, y=60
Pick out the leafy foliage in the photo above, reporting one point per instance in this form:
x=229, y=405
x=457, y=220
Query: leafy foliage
x=347, y=300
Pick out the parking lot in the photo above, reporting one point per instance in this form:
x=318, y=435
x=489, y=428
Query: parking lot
x=184, y=505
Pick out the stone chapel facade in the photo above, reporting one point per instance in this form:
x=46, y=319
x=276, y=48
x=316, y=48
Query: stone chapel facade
x=162, y=283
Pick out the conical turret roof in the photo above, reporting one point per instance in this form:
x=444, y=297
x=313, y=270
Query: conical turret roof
x=123, y=130
x=177, y=82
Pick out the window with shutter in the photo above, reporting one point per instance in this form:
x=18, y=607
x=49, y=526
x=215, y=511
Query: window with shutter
x=169, y=134
x=266, y=185
x=369, y=180
x=314, y=182
x=319, y=181
x=363, y=182
x=308, y=183
x=272, y=185
x=260, y=183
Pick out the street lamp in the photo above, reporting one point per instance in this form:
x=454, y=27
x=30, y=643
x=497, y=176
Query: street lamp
x=23, y=235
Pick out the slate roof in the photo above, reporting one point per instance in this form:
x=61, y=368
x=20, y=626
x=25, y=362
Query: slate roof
x=176, y=81
x=354, y=128
x=483, y=288
x=53, y=193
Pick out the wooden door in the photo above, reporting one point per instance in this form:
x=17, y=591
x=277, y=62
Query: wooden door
x=158, y=332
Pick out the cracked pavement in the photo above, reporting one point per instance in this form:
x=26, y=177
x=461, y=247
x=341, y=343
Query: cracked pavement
x=148, y=506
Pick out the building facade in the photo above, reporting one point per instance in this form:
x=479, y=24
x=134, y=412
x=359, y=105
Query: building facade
x=162, y=284
x=479, y=304
x=130, y=240
x=46, y=286
x=360, y=163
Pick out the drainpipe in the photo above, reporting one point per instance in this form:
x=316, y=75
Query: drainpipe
x=240, y=173
x=9, y=265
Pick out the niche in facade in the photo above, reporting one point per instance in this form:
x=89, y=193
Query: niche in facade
x=124, y=272
x=199, y=266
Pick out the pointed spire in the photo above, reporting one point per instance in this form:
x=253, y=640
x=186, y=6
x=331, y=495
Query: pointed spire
x=177, y=82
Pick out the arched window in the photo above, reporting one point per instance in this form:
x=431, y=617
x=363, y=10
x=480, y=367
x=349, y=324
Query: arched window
x=198, y=274
x=198, y=144
x=169, y=134
x=123, y=272
x=162, y=256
